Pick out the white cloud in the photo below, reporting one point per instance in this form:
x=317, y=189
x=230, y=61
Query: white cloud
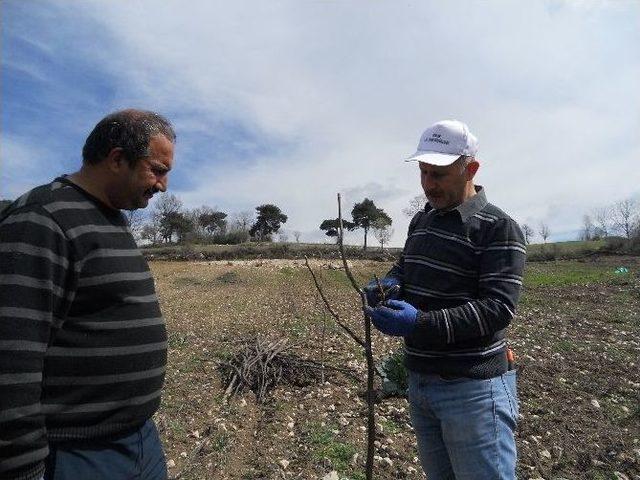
x=548, y=87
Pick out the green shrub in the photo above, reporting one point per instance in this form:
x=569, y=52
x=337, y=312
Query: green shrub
x=394, y=374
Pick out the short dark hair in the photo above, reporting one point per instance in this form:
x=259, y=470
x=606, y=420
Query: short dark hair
x=130, y=130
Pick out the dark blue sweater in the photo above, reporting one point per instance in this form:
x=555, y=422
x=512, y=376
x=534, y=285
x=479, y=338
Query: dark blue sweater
x=82, y=340
x=463, y=270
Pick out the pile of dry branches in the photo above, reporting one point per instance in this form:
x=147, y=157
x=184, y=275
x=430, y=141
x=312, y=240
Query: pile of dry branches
x=261, y=364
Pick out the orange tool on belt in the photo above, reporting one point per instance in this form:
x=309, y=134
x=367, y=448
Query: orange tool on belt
x=511, y=358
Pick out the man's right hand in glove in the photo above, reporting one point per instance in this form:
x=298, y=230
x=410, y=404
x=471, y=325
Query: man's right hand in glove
x=390, y=286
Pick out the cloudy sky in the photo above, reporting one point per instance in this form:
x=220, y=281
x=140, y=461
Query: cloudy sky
x=289, y=102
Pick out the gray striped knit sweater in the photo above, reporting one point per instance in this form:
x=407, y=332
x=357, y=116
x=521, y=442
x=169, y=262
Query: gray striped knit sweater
x=463, y=270
x=82, y=340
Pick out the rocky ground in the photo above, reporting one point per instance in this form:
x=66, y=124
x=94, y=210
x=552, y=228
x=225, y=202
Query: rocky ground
x=576, y=337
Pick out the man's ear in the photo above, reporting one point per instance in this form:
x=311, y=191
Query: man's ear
x=115, y=159
x=471, y=169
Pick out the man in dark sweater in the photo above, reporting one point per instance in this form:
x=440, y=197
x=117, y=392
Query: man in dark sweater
x=83, y=343
x=459, y=278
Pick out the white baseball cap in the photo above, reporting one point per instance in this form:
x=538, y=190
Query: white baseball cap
x=443, y=142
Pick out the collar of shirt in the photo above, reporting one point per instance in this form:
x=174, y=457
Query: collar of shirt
x=468, y=208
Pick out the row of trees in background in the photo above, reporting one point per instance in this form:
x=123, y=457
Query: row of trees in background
x=620, y=219
x=169, y=222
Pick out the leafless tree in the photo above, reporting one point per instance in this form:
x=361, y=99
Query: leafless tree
x=544, y=231
x=416, y=204
x=364, y=343
x=135, y=219
x=242, y=220
x=150, y=232
x=602, y=219
x=587, y=232
x=528, y=233
x=296, y=235
x=624, y=216
x=382, y=232
x=283, y=237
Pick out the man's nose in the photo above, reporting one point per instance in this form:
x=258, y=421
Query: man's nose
x=162, y=184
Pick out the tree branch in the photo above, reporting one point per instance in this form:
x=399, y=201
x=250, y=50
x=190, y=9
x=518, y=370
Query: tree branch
x=349, y=332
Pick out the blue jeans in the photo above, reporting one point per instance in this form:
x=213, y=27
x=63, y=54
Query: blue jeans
x=465, y=427
x=137, y=456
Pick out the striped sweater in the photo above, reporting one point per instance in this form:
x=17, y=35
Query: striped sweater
x=82, y=340
x=462, y=269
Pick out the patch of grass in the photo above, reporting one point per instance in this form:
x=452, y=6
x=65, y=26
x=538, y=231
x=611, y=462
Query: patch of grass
x=177, y=339
x=599, y=475
x=336, y=277
x=392, y=427
x=297, y=327
x=191, y=364
x=566, y=273
x=219, y=441
x=287, y=271
x=564, y=346
x=325, y=445
x=228, y=278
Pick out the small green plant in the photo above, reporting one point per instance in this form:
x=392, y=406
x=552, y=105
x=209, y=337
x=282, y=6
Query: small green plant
x=228, y=278
x=564, y=346
x=325, y=446
x=287, y=271
x=219, y=441
x=394, y=374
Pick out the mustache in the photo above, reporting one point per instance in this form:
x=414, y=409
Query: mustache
x=152, y=191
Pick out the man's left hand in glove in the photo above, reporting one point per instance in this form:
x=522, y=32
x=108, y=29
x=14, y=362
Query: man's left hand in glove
x=394, y=317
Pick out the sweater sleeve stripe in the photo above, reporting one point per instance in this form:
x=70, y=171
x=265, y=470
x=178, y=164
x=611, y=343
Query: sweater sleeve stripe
x=20, y=378
x=28, y=249
x=22, y=345
x=28, y=314
x=99, y=407
x=11, y=414
x=74, y=233
x=118, y=324
x=62, y=205
x=31, y=282
x=105, y=379
x=26, y=439
x=105, y=351
x=24, y=459
x=114, y=277
x=152, y=298
x=35, y=218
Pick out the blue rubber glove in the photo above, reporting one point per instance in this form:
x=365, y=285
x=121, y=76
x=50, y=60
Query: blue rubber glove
x=390, y=285
x=394, y=317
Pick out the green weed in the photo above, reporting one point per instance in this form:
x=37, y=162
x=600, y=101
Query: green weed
x=325, y=445
x=567, y=273
x=228, y=278
x=564, y=346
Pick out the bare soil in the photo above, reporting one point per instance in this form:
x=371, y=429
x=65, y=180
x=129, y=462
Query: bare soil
x=576, y=337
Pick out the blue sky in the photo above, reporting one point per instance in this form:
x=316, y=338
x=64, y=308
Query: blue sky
x=291, y=102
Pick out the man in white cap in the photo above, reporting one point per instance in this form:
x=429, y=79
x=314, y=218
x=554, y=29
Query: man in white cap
x=454, y=291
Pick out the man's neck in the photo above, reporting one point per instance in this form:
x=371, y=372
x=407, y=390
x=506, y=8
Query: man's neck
x=86, y=180
x=470, y=191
